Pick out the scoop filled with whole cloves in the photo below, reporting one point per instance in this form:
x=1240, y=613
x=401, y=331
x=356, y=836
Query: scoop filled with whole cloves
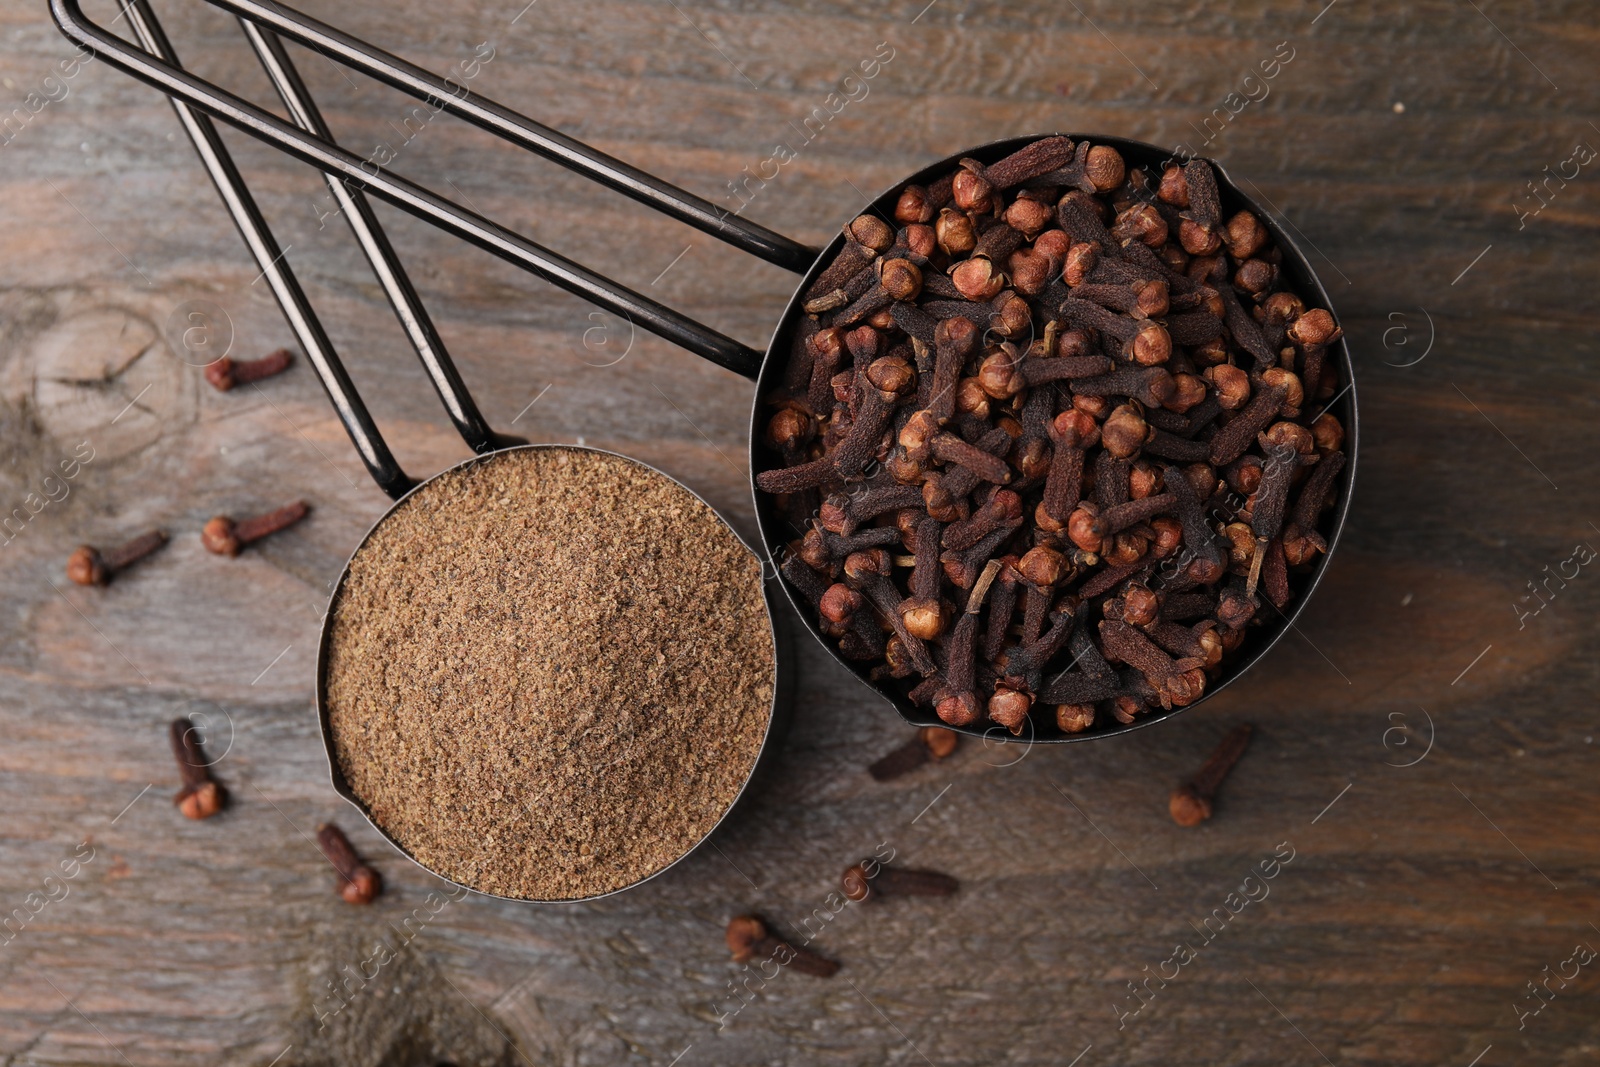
x=1056, y=442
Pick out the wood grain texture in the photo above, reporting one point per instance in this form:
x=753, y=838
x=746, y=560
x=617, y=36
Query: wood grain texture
x=1422, y=899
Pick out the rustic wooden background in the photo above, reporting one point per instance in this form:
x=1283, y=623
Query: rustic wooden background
x=1427, y=751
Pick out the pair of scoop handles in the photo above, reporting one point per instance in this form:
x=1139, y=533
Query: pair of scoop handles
x=350, y=177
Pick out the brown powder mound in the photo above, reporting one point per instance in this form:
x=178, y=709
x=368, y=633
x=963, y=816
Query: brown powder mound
x=550, y=673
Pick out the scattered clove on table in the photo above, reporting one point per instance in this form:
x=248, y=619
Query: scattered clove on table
x=1190, y=803
x=930, y=743
x=750, y=939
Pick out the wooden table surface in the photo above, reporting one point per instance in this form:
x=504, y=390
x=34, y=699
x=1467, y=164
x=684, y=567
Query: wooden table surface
x=1425, y=746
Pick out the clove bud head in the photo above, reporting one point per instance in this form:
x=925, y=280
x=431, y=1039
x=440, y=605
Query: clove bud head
x=939, y=741
x=1029, y=216
x=1074, y=718
x=361, y=886
x=1125, y=432
x=219, y=537
x=1081, y=259
x=972, y=192
x=958, y=709
x=86, y=567
x=1174, y=188
x=1315, y=327
x=1104, y=168
x=857, y=884
x=924, y=618
x=901, y=279
x=955, y=232
x=976, y=279
x=913, y=206
x=1187, y=807
x=1009, y=708
x=871, y=231
x=199, y=801
x=840, y=603
x=1043, y=566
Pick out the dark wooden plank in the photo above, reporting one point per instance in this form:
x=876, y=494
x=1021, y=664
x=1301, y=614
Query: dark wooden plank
x=1419, y=904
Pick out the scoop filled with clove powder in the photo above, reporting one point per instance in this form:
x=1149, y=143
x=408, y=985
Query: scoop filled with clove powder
x=549, y=673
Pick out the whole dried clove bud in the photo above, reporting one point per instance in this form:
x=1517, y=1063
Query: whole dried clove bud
x=869, y=879
x=1255, y=276
x=913, y=206
x=1293, y=392
x=1012, y=316
x=1126, y=706
x=1125, y=431
x=1075, y=429
x=1235, y=608
x=1315, y=327
x=999, y=376
x=1044, y=566
x=1168, y=535
x=1173, y=257
x=1141, y=223
x=1054, y=244
x=1210, y=353
x=1241, y=546
x=972, y=398
x=1030, y=271
x=958, y=709
x=1082, y=528
x=971, y=192
x=1029, y=216
x=955, y=232
x=225, y=373
x=1243, y=475
x=749, y=939
x=1105, y=168
x=1188, y=392
x=1009, y=708
x=788, y=430
x=1152, y=298
x=1282, y=307
x=1231, y=383
x=919, y=240
x=840, y=604
x=225, y=537
x=1140, y=605
x=1190, y=803
x=1244, y=235
x=1144, y=479
x=977, y=279
x=1327, y=432
x=1197, y=241
x=1082, y=258
x=1152, y=345
x=1126, y=548
x=1237, y=435
x=201, y=796
x=892, y=375
x=1288, y=435
x=929, y=743
x=924, y=617
x=901, y=279
x=1174, y=189
x=360, y=883
x=1074, y=718
x=89, y=566
x=871, y=232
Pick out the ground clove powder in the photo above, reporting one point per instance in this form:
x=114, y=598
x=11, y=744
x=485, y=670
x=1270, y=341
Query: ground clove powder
x=549, y=672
